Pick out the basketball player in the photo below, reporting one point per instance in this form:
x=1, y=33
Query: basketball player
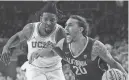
x=82, y=52
x=40, y=36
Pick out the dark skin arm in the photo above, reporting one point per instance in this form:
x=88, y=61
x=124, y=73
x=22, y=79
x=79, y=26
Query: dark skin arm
x=14, y=41
x=59, y=49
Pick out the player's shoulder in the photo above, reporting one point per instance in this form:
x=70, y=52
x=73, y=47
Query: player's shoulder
x=34, y=23
x=98, y=43
x=28, y=29
x=30, y=26
x=98, y=47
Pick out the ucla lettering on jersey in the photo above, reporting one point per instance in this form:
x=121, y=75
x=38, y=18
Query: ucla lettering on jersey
x=41, y=44
x=37, y=42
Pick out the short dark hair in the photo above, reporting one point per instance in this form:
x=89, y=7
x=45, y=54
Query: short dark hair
x=82, y=22
x=50, y=7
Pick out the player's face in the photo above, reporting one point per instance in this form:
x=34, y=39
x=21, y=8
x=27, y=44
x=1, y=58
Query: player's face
x=49, y=20
x=72, y=29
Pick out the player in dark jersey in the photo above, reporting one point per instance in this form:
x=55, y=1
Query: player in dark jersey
x=83, y=53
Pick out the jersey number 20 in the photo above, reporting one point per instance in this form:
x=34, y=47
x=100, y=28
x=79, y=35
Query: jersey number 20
x=80, y=70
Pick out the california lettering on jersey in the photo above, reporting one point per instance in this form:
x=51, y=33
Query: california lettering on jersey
x=77, y=62
x=78, y=66
x=41, y=44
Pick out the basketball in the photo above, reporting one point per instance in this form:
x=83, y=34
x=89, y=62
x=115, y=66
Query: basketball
x=113, y=74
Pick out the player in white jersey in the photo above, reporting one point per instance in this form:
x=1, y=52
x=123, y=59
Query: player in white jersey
x=40, y=37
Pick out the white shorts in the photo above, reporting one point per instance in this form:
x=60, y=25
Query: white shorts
x=35, y=73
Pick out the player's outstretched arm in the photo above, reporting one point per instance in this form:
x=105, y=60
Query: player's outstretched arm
x=101, y=51
x=14, y=41
x=60, y=36
x=58, y=49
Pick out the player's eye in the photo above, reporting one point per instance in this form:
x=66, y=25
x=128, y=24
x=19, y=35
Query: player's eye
x=52, y=20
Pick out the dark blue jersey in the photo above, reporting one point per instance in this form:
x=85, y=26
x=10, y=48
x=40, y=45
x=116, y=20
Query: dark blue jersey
x=82, y=65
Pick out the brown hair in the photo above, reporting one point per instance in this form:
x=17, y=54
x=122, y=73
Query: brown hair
x=82, y=23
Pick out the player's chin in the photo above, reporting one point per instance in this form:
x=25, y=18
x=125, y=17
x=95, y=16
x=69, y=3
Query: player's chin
x=48, y=30
x=68, y=40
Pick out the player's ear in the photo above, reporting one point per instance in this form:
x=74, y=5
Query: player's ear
x=81, y=29
x=41, y=17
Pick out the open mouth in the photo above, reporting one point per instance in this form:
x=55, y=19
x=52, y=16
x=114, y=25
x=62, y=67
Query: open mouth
x=67, y=34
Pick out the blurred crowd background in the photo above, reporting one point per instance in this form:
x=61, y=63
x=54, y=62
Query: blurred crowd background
x=108, y=22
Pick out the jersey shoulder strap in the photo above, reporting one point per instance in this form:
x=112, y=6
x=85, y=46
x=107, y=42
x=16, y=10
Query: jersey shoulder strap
x=34, y=31
x=88, y=49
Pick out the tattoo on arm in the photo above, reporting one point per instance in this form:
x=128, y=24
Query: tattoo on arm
x=103, y=53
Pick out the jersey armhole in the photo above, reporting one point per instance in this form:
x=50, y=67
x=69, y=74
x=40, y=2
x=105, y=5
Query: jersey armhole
x=32, y=32
x=93, y=55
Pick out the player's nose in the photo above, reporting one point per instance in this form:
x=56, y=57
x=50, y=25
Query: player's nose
x=66, y=28
x=48, y=22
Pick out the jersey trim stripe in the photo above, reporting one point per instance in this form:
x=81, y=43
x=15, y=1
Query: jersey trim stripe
x=80, y=51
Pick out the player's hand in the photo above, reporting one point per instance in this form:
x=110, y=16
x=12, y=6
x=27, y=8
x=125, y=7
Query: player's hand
x=33, y=56
x=125, y=76
x=5, y=56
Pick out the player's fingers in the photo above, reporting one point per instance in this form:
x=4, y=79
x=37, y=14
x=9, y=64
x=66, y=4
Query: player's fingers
x=6, y=59
x=36, y=55
x=32, y=58
x=2, y=57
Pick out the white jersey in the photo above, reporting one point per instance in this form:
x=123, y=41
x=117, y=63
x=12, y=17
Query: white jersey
x=37, y=42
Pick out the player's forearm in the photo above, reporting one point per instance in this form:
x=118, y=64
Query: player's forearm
x=11, y=41
x=118, y=66
x=59, y=52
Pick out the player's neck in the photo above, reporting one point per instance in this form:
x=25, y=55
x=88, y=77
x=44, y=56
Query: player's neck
x=78, y=45
x=79, y=40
